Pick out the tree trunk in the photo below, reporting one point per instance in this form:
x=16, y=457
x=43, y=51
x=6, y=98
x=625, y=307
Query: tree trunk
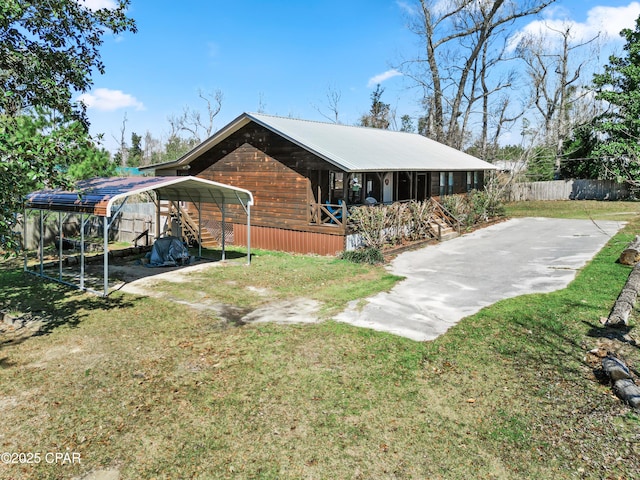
x=621, y=310
x=631, y=254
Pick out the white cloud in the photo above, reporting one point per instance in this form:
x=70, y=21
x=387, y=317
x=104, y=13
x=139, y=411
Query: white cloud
x=606, y=21
x=406, y=7
x=611, y=20
x=107, y=100
x=383, y=76
x=98, y=4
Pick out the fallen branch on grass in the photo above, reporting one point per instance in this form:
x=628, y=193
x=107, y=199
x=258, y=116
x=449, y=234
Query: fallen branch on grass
x=619, y=316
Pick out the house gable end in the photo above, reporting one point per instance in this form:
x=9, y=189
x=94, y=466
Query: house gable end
x=281, y=195
x=275, y=146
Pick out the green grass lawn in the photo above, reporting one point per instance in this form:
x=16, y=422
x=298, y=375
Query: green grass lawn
x=586, y=209
x=152, y=389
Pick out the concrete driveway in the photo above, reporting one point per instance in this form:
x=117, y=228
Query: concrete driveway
x=451, y=280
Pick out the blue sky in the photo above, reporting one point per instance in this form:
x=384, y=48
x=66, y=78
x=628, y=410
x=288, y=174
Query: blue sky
x=277, y=55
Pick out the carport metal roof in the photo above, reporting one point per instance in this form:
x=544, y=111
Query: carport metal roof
x=98, y=197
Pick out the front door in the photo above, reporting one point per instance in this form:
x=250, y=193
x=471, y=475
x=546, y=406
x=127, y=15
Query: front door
x=387, y=188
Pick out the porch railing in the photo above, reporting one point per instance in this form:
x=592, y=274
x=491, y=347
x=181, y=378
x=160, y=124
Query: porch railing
x=328, y=214
x=441, y=213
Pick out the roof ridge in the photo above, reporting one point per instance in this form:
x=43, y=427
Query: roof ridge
x=321, y=122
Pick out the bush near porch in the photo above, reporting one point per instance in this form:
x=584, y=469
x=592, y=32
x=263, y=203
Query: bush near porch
x=476, y=207
x=383, y=226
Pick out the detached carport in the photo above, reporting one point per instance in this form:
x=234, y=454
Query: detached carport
x=105, y=197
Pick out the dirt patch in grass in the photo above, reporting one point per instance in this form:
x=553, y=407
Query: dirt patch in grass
x=295, y=310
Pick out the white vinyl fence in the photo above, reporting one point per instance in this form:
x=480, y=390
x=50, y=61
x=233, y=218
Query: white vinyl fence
x=569, y=190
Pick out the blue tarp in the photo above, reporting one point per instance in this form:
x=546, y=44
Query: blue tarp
x=168, y=252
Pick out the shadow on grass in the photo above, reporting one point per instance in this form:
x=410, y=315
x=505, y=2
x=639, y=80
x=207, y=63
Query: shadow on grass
x=620, y=334
x=6, y=363
x=216, y=254
x=42, y=305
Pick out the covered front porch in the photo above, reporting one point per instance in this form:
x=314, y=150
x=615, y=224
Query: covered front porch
x=366, y=187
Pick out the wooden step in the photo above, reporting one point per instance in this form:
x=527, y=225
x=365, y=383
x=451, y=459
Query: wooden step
x=447, y=232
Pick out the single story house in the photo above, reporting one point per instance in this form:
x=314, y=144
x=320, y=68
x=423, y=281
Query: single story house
x=305, y=174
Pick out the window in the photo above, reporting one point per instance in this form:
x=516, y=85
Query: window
x=336, y=180
x=446, y=183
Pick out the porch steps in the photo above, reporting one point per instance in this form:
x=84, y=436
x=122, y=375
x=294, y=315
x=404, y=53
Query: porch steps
x=190, y=227
x=445, y=231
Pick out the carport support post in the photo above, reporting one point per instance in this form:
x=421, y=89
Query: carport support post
x=200, y=229
x=41, y=244
x=222, y=209
x=179, y=222
x=248, y=234
x=82, y=251
x=60, y=246
x=157, y=217
x=106, y=255
x=24, y=237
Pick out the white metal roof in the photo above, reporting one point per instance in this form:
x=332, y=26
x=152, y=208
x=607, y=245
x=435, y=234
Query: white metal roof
x=351, y=148
x=359, y=149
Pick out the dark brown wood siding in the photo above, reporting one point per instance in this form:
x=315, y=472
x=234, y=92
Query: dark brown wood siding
x=281, y=196
x=275, y=147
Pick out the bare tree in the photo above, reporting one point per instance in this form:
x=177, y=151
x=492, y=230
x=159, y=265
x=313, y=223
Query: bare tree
x=191, y=121
x=455, y=65
x=333, y=97
x=214, y=104
x=123, y=150
x=554, y=72
x=152, y=152
x=262, y=106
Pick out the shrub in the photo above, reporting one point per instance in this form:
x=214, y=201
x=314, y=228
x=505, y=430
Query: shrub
x=474, y=207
